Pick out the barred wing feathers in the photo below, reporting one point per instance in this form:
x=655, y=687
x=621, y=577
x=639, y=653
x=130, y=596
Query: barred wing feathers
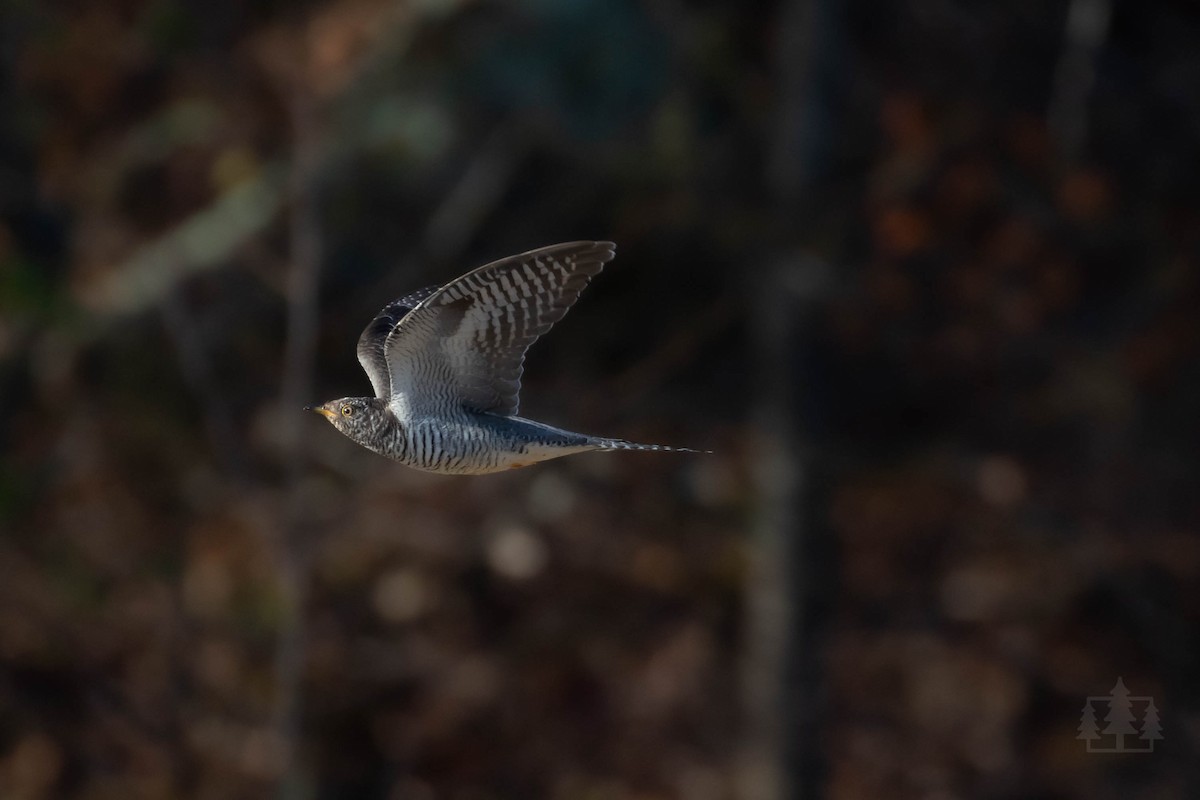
x=374, y=338
x=466, y=342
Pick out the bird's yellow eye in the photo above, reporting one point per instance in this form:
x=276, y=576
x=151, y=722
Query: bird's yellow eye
x=347, y=411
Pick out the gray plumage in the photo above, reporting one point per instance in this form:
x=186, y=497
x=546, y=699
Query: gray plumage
x=446, y=364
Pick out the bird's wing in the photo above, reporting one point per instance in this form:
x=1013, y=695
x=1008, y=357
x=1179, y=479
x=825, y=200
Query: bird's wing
x=374, y=337
x=465, y=344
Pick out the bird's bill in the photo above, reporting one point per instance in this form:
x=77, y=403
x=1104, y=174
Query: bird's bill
x=324, y=412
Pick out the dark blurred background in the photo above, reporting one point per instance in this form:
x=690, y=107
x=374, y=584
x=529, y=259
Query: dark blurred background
x=923, y=275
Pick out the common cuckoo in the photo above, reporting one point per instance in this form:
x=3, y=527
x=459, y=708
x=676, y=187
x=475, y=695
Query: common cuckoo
x=446, y=363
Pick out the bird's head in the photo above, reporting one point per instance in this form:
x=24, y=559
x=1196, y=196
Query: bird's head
x=357, y=417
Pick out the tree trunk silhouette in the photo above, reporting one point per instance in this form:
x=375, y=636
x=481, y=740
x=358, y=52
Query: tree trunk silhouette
x=790, y=576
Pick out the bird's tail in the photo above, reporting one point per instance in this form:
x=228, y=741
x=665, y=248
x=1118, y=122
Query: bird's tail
x=620, y=444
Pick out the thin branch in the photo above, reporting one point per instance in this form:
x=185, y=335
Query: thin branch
x=483, y=185
x=293, y=546
x=204, y=241
x=196, y=367
x=1084, y=34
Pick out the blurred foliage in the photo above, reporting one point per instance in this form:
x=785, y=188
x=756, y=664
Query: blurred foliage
x=1000, y=384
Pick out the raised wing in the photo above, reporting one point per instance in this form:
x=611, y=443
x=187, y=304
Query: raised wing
x=466, y=342
x=371, y=342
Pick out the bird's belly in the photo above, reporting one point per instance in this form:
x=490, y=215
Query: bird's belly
x=479, y=448
x=467, y=462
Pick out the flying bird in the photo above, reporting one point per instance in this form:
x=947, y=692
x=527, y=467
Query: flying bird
x=446, y=363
